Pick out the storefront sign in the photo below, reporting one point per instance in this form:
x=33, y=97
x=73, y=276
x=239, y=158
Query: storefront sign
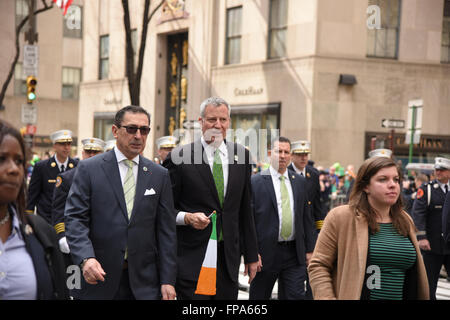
x=250, y=91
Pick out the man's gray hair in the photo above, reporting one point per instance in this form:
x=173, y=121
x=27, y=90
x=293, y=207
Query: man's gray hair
x=216, y=102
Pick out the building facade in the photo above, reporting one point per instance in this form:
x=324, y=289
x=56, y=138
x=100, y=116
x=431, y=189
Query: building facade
x=322, y=70
x=59, y=70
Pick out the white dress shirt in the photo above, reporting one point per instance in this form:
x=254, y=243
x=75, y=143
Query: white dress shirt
x=65, y=163
x=301, y=172
x=123, y=168
x=210, y=151
x=277, y=187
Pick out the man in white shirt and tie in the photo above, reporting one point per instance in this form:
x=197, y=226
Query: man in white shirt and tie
x=284, y=227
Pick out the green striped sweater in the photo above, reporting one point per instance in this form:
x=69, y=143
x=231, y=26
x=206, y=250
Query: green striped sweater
x=390, y=256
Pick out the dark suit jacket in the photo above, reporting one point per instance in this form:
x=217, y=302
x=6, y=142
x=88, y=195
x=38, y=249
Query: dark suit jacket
x=318, y=210
x=62, y=187
x=42, y=183
x=194, y=191
x=42, y=246
x=446, y=220
x=264, y=204
x=97, y=225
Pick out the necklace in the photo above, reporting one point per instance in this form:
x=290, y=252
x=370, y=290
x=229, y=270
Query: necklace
x=5, y=219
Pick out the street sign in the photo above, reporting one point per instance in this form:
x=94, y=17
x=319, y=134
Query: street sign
x=29, y=114
x=31, y=129
x=392, y=123
x=30, y=60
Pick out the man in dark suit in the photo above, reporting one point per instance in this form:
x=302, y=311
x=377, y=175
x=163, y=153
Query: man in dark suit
x=119, y=216
x=284, y=227
x=43, y=179
x=91, y=147
x=209, y=175
x=427, y=215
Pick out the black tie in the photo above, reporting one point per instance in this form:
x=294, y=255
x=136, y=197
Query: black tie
x=301, y=173
x=62, y=168
x=446, y=188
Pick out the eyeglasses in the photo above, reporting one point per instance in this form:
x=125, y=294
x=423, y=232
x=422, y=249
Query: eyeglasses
x=133, y=129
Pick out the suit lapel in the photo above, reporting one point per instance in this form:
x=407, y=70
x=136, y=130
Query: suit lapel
x=111, y=169
x=268, y=184
x=142, y=177
x=295, y=189
x=204, y=169
x=233, y=170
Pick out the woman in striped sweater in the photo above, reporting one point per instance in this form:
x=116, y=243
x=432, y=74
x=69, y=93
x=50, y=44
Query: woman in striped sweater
x=368, y=249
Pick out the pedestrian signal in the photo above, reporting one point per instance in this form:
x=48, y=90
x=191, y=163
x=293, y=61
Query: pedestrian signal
x=31, y=89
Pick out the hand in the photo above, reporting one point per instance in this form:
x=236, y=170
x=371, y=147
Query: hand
x=168, y=292
x=63, y=245
x=197, y=220
x=251, y=269
x=424, y=244
x=93, y=271
x=308, y=258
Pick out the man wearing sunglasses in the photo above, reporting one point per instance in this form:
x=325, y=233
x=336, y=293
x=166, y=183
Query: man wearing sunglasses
x=120, y=221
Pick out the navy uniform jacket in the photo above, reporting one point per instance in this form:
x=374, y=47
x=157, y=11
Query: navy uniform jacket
x=428, y=218
x=265, y=209
x=446, y=219
x=97, y=226
x=62, y=187
x=42, y=183
x=318, y=210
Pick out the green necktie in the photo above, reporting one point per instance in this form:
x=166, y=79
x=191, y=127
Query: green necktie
x=286, y=213
x=129, y=187
x=218, y=176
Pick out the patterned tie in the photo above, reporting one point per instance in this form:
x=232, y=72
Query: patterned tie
x=286, y=213
x=218, y=176
x=129, y=187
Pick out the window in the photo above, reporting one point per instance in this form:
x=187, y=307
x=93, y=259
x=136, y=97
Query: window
x=103, y=122
x=71, y=78
x=383, y=42
x=72, y=24
x=234, y=26
x=277, y=28
x=445, y=43
x=22, y=11
x=104, y=57
x=20, y=82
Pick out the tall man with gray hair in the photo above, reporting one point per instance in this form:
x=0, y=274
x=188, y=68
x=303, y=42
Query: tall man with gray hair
x=212, y=198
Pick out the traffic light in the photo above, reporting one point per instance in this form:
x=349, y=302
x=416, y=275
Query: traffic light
x=31, y=89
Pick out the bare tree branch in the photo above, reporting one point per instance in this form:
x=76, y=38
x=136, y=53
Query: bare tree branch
x=16, y=57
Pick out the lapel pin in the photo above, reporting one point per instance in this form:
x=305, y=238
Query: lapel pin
x=53, y=164
x=236, y=158
x=145, y=169
x=436, y=186
x=70, y=165
x=293, y=177
x=308, y=175
x=28, y=229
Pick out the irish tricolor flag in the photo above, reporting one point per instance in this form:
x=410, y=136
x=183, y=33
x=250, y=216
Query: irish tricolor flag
x=206, y=284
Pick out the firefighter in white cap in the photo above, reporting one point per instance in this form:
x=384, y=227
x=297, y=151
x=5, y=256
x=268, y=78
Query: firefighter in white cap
x=165, y=145
x=43, y=179
x=91, y=147
x=427, y=215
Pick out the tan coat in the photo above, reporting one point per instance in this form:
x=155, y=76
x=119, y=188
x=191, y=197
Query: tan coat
x=338, y=264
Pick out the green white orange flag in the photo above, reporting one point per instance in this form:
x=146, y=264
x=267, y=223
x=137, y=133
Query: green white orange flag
x=206, y=284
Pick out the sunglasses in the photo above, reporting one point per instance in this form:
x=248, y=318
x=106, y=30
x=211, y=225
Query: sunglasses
x=133, y=129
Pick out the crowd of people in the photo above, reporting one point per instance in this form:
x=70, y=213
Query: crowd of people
x=178, y=227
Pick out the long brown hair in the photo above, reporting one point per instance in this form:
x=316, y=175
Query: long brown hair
x=360, y=203
x=7, y=129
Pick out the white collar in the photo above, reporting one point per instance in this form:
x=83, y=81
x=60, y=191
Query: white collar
x=209, y=148
x=276, y=174
x=298, y=170
x=120, y=156
x=60, y=163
